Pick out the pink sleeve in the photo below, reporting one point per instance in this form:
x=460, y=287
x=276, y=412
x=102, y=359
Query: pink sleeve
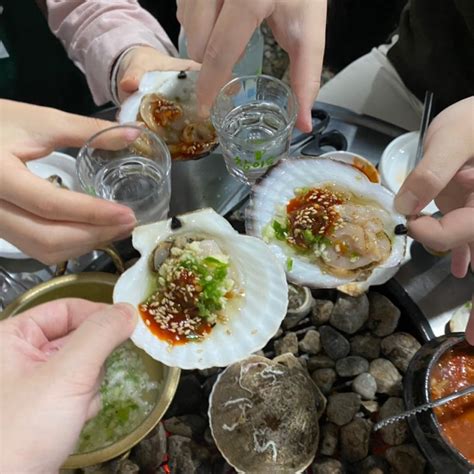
x=95, y=32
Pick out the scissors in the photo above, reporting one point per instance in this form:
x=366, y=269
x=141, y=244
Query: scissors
x=318, y=138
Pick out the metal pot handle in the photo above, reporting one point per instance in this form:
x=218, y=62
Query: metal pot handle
x=110, y=250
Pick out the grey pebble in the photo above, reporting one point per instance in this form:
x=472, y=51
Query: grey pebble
x=342, y=407
x=324, y=379
x=383, y=315
x=400, y=348
x=389, y=380
x=365, y=385
x=311, y=342
x=395, y=433
x=327, y=466
x=351, y=366
x=405, y=459
x=334, y=343
x=355, y=438
x=321, y=311
x=320, y=362
x=329, y=439
x=366, y=346
x=350, y=313
x=288, y=343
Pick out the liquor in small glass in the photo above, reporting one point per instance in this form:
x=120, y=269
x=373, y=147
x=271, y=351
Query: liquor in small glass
x=254, y=117
x=128, y=165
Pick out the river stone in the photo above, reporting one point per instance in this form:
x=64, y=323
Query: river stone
x=321, y=311
x=351, y=366
x=185, y=425
x=383, y=315
x=290, y=361
x=386, y=375
x=370, y=407
x=329, y=439
x=405, y=459
x=328, y=466
x=373, y=465
x=334, y=343
x=366, y=346
x=320, y=362
x=355, y=438
x=185, y=456
x=395, y=433
x=151, y=451
x=324, y=379
x=311, y=342
x=342, y=407
x=400, y=348
x=288, y=343
x=365, y=385
x=350, y=313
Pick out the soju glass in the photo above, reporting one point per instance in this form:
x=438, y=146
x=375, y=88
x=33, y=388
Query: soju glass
x=254, y=117
x=130, y=165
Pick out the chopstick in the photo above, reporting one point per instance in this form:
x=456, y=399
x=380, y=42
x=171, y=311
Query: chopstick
x=425, y=121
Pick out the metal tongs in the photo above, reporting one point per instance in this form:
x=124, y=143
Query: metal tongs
x=427, y=406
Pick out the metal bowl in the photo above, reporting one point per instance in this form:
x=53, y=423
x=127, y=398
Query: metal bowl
x=425, y=427
x=96, y=286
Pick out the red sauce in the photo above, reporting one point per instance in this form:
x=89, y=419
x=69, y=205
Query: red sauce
x=455, y=371
x=182, y=309
x=366, y=168
x=171, y=337
x=312, y=211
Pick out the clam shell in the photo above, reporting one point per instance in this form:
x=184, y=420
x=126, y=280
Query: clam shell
x=276, y=189
x=251, y=323
x=179, y=87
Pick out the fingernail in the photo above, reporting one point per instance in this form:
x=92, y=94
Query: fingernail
x=406, y=203
x=127, y=310
x=126, y=218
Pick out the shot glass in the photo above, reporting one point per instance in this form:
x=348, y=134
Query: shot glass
x=129, y=165
x=254, y=117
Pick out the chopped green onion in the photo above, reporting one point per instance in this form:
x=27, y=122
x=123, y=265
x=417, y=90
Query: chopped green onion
x=289, y=264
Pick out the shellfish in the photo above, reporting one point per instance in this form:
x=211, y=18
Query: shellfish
x=166, y=103
x=328, y=224
x=207, y=295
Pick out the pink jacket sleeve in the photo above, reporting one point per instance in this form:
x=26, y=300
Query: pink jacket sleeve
x=96, y=32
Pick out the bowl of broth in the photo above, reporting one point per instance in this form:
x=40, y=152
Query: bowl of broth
x=136, y=390
x=446, y=434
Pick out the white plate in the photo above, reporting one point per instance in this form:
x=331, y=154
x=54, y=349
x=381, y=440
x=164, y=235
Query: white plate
x=56, y=163
x=394, y=162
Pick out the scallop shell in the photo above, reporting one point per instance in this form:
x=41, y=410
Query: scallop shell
x=460, y=318
x=249, y=327
x=276, y=189
x=264, y=414
x=180, y=89
x=357, y=161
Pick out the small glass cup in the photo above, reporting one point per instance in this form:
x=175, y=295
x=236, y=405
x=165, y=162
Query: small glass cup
x=129, y=165
x=254, y=117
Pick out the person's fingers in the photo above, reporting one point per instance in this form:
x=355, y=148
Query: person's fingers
x=226, y=44
x=146, y=59
x=198, y=19
x=455, y=229
x=470, y=326
x=460, y=259
x=51, y=322
x=42, y=198
x=443, y=157
x=306, y=61
x=92, y=342
x=54, y=241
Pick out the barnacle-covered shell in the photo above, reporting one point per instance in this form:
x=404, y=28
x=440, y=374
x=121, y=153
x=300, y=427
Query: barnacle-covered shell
x=250, y=323
x=264, y=415
x=273, y=192
x=166, y=103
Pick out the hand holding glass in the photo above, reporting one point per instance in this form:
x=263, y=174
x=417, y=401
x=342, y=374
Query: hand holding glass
x=134, y=172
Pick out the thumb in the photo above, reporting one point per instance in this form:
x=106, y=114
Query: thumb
x=95, y=339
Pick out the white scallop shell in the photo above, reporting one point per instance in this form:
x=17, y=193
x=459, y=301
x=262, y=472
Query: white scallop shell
x=460, y=318
x=250, y=326
x=164, y=82
x=277, y=187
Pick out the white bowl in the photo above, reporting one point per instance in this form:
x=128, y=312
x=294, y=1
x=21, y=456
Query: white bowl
x=393, y=166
